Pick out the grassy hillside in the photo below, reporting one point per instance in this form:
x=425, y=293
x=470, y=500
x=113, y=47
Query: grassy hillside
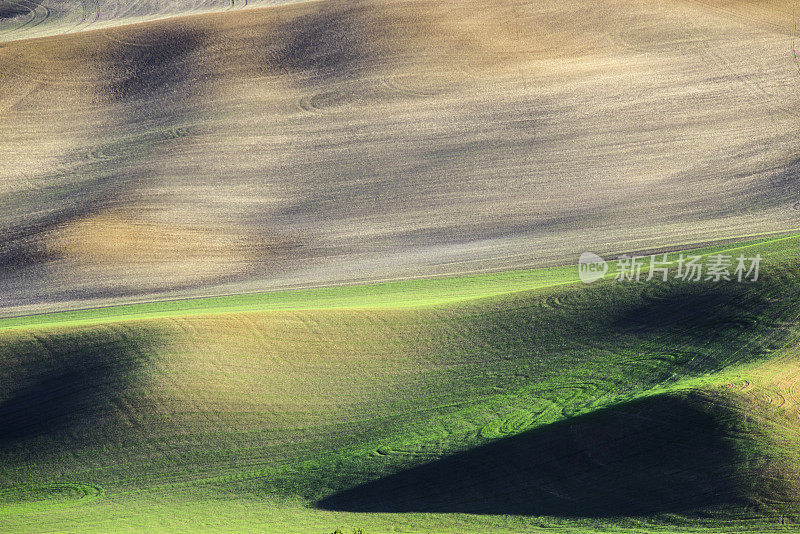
x=307, y=267
x=329, y=142
x=395, y=294
x=658, y=406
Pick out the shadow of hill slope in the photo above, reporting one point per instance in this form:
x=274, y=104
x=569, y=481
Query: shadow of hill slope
x=167, y=62
x=11, y=11
x=67, y=381
x=663, y=454
x=330, y=43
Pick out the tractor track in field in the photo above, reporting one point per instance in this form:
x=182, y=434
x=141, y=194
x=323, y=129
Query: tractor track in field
x=311, y=105
x=564, y=301
x=38, y=12
x=792, y=386
x=253, y=329
x=703, y=46
x=739, y=385
x=393, y=83
x=91, y=10
x=81, y=493
x=732, y=14
x=100, y=155
x=579, y=395
x=45, y=15
x=338, y=99
x=796, y=34
x=84, y=17
x=30, y=15
x=120, y=150
x=659, y=359
x=107, y=33
x=20, y=96
x=771, y=396
x=130, y=7
x=753, y=86
x=622, y=42
x=421, y=453
x=516, y=422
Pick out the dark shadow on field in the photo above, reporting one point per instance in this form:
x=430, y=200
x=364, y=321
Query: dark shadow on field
x=161, y=61
x=328, y=44
x=703, y=307
x=67, y=382
x=621, y=336
x=659, y=455
x=578, y=349
x=10, y=11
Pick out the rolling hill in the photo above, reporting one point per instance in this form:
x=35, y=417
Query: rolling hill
x=310, y=266
x=331, y=142
x=671, y=406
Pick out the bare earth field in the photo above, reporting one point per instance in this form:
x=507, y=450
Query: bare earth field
x=336, y=141
x=295, y=267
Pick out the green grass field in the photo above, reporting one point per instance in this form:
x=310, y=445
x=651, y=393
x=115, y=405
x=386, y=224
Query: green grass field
x=308, y=266
x=503, y=402
x=395, y=294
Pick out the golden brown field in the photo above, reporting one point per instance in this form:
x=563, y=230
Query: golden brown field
x=332, y=141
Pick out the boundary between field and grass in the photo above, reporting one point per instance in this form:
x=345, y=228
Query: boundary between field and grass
x=398, y=294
